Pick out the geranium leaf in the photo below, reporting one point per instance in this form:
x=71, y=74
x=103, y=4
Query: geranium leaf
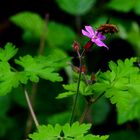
x=75, y=132
x=8, y=52
x=38, y=67
x=121, y=84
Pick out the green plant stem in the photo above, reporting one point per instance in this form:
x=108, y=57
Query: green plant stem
x=30, y=107
x=78, y=85
x=76, y=98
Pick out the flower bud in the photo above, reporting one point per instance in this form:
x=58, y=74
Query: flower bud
x=76, y=46
x=93, y=78
x=83, y=69
x=88, y=45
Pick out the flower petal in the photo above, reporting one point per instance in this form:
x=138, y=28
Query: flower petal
x=85, y=33
x=100, y=36
x=99, y=43
x=90, y=30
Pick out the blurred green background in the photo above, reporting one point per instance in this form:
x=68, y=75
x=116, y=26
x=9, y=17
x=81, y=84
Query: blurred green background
x=56, y=24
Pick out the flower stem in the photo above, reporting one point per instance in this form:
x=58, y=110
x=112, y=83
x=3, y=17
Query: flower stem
x=90, y=102
x=30, y=107
x=78, y=85
x=76, y=98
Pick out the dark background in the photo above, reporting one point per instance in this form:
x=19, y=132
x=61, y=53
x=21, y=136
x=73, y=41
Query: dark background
x=119, y=49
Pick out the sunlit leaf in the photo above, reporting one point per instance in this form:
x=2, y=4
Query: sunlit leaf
x=38, y=67
x=8, y=78
x=76, y=132
x=8, y=52
x=123, y=89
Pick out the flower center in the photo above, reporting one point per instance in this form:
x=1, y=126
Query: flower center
x=94, y=36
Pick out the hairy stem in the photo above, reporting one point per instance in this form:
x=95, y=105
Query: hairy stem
x=76, y=98
x=32, y=100
x=78, y=85
x=30, y=107
x=34, y=86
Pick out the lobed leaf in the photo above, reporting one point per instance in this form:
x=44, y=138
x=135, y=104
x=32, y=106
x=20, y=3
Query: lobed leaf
x=56, y=34
x=38, y=67
x=76, y=132
x=29, y=21
x=8, y=52
x=8, y=78
x=72, y=90
x=76, y=129
x=121, y=88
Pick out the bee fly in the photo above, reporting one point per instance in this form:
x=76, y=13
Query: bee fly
x=107, y=28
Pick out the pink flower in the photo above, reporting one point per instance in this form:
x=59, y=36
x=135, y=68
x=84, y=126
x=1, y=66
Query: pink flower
x=95, y=36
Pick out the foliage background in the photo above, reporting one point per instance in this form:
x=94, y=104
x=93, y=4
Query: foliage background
x=65, y=22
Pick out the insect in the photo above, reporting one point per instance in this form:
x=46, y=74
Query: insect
x=107, y=28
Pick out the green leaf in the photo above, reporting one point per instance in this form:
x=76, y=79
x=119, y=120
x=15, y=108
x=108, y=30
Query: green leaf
x=76, y=132
x=137, y=7
x=76, y=7
x=133, y=37
x=58, y=59
x=57, y=35
x=94, y=137
x=123, y=69
x=60, y=35
x=65, y=94
x=123, y=89
x=47, y=133
x=100, y=87
x=29, y=21
x=38, y=67
x=119, y=5
x=133, y=110
x=72, y=89
x=8, y=79
x=8, y=52
x=76, y=129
